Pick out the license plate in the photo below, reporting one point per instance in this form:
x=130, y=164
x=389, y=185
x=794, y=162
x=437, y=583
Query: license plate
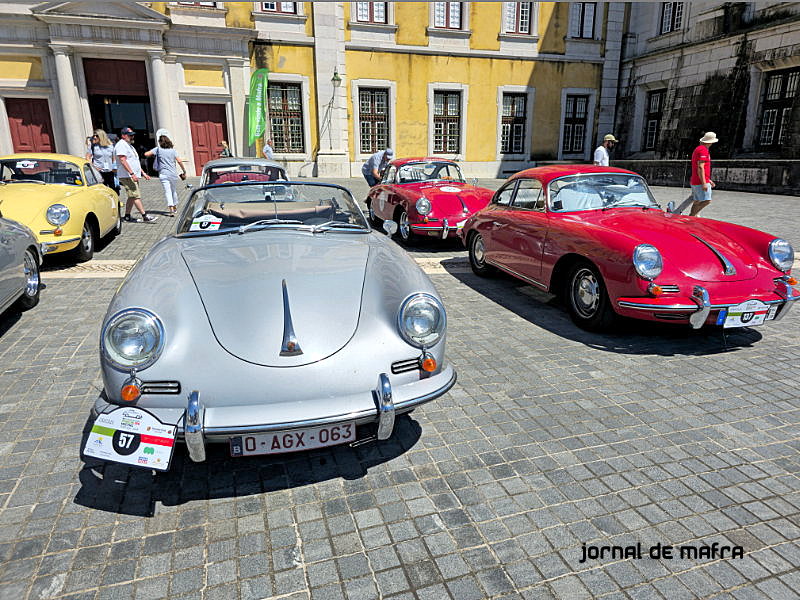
x=132, y=436
x=747, y=314
x=281, y=442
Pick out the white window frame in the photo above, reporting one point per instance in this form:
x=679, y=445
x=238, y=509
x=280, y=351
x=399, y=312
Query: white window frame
x=530, y=96
x=463, y=10
x=590, y=120
x=198, y=4
x=449, y=87
x=533, y=20
x=296, y=12
x=357, y=84
x=389, y=14
x=662, y=14
x=595, y=22
x=305, y=95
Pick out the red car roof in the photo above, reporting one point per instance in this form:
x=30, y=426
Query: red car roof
x=553, y=171
x=397, y=162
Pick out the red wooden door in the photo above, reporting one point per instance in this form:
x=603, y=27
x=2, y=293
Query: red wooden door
x=209, y=128
x=29, y=121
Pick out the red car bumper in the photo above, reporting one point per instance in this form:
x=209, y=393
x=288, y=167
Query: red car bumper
x=443, y=228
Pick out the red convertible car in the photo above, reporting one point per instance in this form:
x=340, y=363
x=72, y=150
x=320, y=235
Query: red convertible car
x=596, y=237
x=426, y=197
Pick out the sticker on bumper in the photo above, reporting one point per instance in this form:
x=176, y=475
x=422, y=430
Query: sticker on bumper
x=746, y=314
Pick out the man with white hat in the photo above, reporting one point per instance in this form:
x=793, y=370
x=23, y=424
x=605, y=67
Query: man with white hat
x=601, y=153
x=375, y=165
x=701, y=183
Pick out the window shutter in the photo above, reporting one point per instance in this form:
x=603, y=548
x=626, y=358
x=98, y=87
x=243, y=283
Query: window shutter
x=588, y=20
x=438, y=14
x=455, y=15
x=509, y=17
x=576, y=9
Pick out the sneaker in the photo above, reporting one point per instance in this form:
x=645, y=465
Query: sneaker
x=148, y=218
x=128, y=219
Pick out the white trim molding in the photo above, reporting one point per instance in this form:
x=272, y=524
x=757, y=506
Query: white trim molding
x=590, y=121
x=305, y=94
x=446, y=38
x=449, y=87
x=381, y=34
x=530, y=94
x=357, y=84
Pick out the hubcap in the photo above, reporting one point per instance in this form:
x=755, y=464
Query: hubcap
x=86, y=237
x=478, y=251
x=31, y=270
x=585, y=293
x=405, y=227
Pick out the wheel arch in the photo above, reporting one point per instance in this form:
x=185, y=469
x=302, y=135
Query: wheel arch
x=558, y=279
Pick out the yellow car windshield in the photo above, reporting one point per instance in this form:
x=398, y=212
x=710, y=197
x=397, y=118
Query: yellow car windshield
x=27, y=170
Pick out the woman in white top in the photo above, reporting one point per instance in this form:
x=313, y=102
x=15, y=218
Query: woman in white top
x=101, y=153
x=165, y=164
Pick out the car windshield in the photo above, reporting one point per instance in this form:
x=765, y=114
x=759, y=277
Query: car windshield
x=27, y=170
x=245, y=207
x=239, y=173
x=429, y=171
x=593, y=191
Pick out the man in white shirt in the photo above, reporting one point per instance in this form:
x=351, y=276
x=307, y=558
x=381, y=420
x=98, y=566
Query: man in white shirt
x=129, y=169
x=269, y=152
x=601, y=153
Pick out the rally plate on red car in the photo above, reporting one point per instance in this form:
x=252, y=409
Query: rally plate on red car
x=280, y=442
x=748, y=314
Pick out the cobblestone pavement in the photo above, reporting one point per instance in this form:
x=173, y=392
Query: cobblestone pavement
x=552, y=438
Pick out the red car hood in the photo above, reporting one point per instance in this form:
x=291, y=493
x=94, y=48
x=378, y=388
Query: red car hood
x=448, y=198
x=685, y=242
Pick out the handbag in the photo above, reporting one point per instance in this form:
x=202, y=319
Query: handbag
x=156, y=163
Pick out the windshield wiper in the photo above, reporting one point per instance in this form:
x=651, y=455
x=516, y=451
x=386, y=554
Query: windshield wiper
x=332, y=224
x=250, y=226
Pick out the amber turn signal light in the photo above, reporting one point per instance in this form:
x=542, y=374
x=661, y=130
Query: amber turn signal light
x=57, y=231
x=792, y=281
x=428, y=364
x=655, y=290
x=130, y=392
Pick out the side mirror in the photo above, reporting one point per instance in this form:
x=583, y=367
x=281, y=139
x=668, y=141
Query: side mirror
x=390, y=227
x=671, y=206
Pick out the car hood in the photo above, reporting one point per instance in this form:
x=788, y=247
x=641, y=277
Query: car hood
x=691, y=245
x=450, y=198
x=324, y=280
x=27, y=202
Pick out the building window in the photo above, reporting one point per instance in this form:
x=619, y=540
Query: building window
x=205, y=4
x=371, y=12
x=517, y=17
x=286, y=117
x=286, y=8
x=447, y=122
x=671, y=16
x=447, y=15
x=779, y=93
x=652, y=122
x=581, y=20
x=512, y=124
x=574, y=124
x=373, y=119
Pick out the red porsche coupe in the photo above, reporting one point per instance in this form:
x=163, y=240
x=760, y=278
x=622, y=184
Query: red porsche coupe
x=426, y=197
x=596, y=237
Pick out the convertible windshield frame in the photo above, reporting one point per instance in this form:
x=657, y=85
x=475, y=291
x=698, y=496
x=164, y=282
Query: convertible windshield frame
x=583, y=201
x=428, y=162
x=42, y=176
x=189, y=212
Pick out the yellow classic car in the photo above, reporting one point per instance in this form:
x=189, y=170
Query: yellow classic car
x=62, y=199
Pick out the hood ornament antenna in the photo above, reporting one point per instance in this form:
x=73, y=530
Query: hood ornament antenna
x=290, y=345
x=726, y=264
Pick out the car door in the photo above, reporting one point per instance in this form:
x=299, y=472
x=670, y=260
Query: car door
x=526, y=231
x=103, y=199
x=8, y=263
x=382, y=196
x=496, y=221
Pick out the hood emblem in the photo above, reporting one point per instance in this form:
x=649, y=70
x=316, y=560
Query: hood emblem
x=290, y=345
x=726, y=264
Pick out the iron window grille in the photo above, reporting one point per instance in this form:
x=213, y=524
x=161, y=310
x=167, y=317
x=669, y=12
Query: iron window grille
x=286, y=117
x=671, y=16
x=779, y=95
x=512, y=124
x=581, y=22
x=447, y=15
x=373, y=119
x=447, y=122
x=517, y=17
x=286, y=8
x=371, y=12
x=574, y=124
x=652, y=127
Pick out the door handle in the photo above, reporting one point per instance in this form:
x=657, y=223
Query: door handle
x=498, y=224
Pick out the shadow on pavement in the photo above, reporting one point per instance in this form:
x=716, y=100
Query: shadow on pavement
x=128, y=490
x=630, y=337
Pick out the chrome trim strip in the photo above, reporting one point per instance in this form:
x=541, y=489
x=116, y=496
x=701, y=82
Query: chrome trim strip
x=700, y=295
x=445, y=231
x=688, y=307
x=729, y=268
x=290, y=346
x=383, y=396
x=193, y=428
x=67, y=241
x=515, y=274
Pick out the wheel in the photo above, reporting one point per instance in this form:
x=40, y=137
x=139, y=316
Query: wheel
x=85, y=248
x=587, y=298
x=33, y=282
x=373, y=220
x=404, y=233
x=477, y=257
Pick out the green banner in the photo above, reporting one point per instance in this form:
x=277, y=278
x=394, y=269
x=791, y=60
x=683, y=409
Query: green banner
x=257, y=113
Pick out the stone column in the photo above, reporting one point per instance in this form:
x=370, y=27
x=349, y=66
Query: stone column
x=609, y=86
x=238, y=81
x=159, y=95
x=68, y=98
x=333, y=158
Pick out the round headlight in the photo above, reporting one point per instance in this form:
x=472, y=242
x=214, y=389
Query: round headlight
x=781, y=254
x=57, y=215
x=133, y=338
x=421, y=320
x=647, y=261
x=423, y=206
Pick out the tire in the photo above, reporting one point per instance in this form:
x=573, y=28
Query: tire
x=33, y=282
x=404, y=233
x=373, y=220
x=85, y=248
x=587, y=299
x=477, y=256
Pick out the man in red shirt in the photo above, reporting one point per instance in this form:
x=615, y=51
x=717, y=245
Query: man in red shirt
x=701, y=177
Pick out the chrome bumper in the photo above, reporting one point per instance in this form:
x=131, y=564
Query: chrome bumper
x=47, y=247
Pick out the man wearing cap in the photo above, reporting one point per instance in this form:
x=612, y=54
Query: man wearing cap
x=375, y=165
x=701, y=177
x=129, y=169
x=601, y=153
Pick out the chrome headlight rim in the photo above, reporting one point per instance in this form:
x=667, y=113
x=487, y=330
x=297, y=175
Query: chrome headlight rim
x=423, y=206
x=657, y=261
x=419, y=297
x=152, y=318
x=57, y=208
x=785, y=262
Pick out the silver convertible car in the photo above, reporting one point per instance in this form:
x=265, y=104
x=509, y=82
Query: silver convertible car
x=275, y=320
